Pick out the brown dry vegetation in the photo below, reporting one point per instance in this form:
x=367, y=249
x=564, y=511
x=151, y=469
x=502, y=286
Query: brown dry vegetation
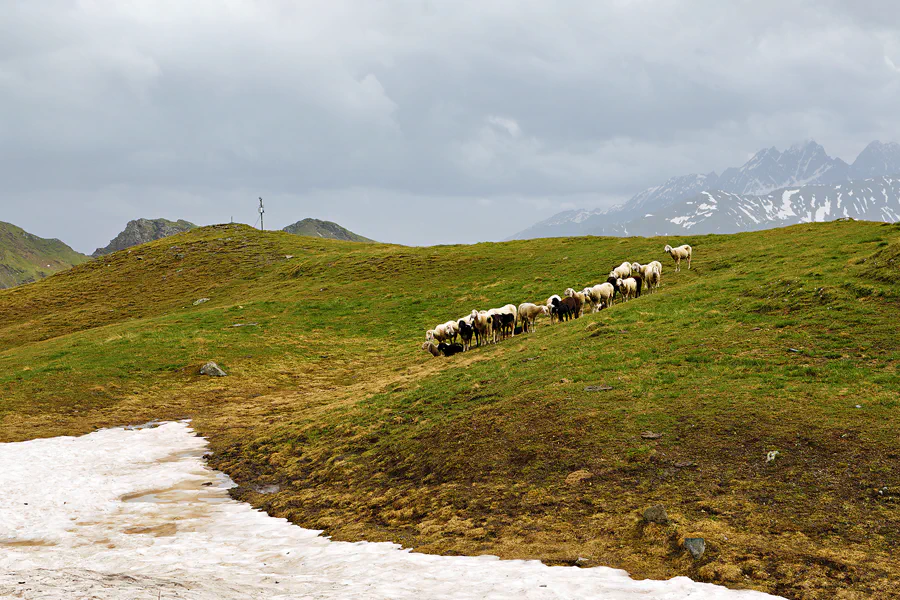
x=367, y=437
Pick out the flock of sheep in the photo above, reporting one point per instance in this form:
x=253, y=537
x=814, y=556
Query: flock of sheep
x=490, y=326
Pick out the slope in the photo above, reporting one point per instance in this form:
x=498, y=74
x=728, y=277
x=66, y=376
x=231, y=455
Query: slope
x=332, y=417
x=25, y=257
x=324, y=229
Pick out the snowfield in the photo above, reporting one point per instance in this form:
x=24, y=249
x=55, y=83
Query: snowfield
x=135, y=513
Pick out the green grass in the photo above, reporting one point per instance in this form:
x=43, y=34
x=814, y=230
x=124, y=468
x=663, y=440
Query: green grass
x=25, y=257
x=768, y=343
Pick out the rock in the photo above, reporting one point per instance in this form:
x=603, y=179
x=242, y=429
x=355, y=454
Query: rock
x=656, y=514
x=684, y=464
x=649, y=435
x=200, y=301
x=597, y=388
x=696, y=546
x=212, y=369
x=576, y=477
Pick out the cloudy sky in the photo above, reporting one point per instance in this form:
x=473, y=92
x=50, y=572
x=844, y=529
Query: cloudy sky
x=414, y=121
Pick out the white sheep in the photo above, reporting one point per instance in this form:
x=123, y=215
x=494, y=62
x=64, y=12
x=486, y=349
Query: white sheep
x=528, y=314
x=678, y=254
x=650, y=273
x=600, y=295
x=482, y=322
x=622, y=271
x=627, y=287
x=579, y=300
x=442, y=332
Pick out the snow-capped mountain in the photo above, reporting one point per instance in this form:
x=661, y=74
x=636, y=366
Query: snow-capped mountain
x=877, y=159
x=800, y=165
x=770, y=169
x=717, y=211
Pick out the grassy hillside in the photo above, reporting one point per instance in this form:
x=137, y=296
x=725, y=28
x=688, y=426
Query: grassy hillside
x=778, y=340
x=324, y=229
x=25, y=257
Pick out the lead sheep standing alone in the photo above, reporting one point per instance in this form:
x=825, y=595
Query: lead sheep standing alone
x=680, y=253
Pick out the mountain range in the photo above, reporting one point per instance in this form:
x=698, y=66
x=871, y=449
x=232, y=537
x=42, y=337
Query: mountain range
x=673, y=208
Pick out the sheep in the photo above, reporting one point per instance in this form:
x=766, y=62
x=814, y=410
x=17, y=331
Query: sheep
x=496, y=325
x=623, y=271
x=566, y=308
x=507, y=324
x=678, y=254
x=509, y=309
x=652, y=277
x=600, y=295
x=449, y=349
x=627, y=287
x=579, y=300
x=551, y=306
x=430, y=347
x=443, y=332
x=442, y=349
x=614, y=282
x=466, y=331
x=482, y=323
x=528, y=314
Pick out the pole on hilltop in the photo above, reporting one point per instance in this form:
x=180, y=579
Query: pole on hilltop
x=262, y=211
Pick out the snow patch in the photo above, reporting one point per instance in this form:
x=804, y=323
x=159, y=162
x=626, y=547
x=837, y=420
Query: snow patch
x=136, y=514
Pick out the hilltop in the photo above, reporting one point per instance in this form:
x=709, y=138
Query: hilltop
x=332, y=417
x=141, y=231
x=324, y=229
x=25, y=257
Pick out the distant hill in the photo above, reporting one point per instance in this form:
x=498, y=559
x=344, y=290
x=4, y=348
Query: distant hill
x=141, y=231
x=324, y=229
x=802, y=165
x=25, y=257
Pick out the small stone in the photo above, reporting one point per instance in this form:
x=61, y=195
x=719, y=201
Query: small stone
x=684, y=464
x=565, y=381
x=576, y=477
x=597, y=388
x=200, y=301
x=696, y=546
x=649, y=435
x=212, y=369
x=656, y=514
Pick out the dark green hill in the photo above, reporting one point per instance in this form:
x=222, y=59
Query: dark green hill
x=324, y=229
x=25, y=257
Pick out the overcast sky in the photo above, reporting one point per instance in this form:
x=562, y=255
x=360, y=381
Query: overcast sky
x=414, y=122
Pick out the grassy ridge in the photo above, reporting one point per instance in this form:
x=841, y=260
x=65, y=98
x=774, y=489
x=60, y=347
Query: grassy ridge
x=769, y=343
x=25, y=257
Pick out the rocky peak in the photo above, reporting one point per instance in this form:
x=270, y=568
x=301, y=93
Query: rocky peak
x=141, y=231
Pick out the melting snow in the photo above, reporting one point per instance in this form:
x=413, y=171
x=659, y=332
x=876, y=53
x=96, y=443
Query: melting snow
x=136, y=514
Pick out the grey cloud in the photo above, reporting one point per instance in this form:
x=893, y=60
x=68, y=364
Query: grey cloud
x=190, y=110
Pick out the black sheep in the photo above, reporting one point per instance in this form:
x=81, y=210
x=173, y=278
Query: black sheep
x=449, y=349
x=566, y=309
x=612, y=281
x=466, y=332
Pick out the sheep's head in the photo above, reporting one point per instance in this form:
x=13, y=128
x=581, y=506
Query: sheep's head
x=635, y=266
x=555, y=301
x=569, y=292
x=619, y=283
x=474, y=314
x=668, y=248
x=429, y=335
x=545, y=310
